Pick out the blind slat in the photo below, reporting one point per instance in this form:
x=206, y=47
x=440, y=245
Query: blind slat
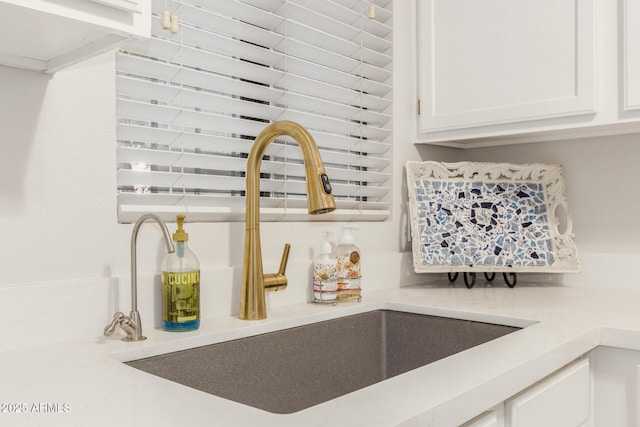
x=354, y=50
x=182, y=97
x=225, y=19
x=238, y=202
x=339, y=145
x=302, y=67
x=212, y=42
x=260, y=16
x=130, y=213
x=190, y=119
x=201, y=183
x=340, y=12
x=198, y=59
x=219, y=164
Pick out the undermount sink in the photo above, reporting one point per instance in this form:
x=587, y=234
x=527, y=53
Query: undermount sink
x=292, y=369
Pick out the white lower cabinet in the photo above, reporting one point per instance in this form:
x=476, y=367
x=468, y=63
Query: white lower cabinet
x=616, y=376
x=491, y=418
x=562, y=399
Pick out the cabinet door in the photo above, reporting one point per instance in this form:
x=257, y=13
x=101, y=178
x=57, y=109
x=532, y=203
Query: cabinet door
x=561, y=400
x=631, y=55
x=492, y=418
x=502, y=62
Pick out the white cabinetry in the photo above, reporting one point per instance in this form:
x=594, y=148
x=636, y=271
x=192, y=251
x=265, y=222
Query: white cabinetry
x=46, y=35
x=492, y=418
x=615, y=387
x=500, y=62
x=562, y=400
x=499, y=71
x=631, y=54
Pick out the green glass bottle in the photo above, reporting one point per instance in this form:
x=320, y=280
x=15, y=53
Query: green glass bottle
x=181, y=285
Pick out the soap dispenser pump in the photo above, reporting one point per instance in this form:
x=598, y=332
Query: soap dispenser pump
x=181, y=285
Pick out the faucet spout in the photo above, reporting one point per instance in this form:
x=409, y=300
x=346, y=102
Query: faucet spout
x=319, y=200
x=132, y=324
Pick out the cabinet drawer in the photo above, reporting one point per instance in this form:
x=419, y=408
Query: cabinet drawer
x=561, y=400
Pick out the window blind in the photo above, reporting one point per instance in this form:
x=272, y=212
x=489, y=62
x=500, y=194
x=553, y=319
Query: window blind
x=189, y=105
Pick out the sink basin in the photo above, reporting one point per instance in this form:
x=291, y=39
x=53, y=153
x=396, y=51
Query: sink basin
x=292, y=369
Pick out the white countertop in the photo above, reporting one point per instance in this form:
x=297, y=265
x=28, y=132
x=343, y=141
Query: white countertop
x=88, y=385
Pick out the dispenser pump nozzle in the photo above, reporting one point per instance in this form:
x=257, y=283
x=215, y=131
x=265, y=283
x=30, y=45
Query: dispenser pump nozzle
x=180, y=235
x=326, y=245
x=347, y=236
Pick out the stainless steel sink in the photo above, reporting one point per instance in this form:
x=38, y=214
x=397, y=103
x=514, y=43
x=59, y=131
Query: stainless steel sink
x=292, y=369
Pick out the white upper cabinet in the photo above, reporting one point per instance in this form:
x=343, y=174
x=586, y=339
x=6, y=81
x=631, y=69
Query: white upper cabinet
x=47, y=35
x=498, y=62
x=501, y=71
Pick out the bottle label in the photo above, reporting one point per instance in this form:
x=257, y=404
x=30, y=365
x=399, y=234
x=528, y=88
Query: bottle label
x=349, y=271
x=180, y=296
x=325, y=281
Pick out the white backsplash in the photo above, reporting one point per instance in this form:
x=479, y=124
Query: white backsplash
x=47, y=313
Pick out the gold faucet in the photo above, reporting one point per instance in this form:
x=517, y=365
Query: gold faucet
x=319, y=200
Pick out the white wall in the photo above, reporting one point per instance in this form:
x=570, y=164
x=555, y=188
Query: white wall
x=65, y=261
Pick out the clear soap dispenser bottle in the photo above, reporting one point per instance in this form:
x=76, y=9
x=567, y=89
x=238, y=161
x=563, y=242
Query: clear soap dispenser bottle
x=325, y=274
x=349, y=272
x=181, y=285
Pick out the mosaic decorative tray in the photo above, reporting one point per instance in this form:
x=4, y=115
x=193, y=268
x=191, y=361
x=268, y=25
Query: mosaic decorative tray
x=489, y=217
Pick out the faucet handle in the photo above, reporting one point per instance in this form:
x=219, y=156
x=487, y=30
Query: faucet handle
x=111, y=327
x=285, y=259
x=126, y=324
x=278, y=281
